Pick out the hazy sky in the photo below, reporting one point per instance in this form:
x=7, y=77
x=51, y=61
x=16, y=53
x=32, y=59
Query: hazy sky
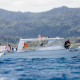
x=36, y=5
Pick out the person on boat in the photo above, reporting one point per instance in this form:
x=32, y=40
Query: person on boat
x=16, y=48
x=41, y=44
x=67, y=44
x=39, y=36
x=8, y=47
x=25, y=46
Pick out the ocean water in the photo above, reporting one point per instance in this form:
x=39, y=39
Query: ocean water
x=40, y=69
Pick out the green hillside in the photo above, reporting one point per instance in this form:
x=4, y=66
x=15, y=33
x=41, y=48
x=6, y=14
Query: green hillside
x=62, y=22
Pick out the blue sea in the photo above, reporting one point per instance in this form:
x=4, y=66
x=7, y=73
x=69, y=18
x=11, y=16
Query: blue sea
x=40, y=69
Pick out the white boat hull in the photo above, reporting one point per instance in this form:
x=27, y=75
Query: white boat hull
x=66, y=53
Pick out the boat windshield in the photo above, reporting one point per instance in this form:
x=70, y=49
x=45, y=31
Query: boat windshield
x=34, y=44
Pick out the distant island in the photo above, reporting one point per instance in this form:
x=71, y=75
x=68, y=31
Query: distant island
x=62, y=22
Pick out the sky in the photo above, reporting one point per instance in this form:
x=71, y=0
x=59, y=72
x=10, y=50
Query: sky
x=37, y=5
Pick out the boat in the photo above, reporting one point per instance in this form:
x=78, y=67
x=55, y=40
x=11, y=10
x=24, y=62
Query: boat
x=2, y=49
x=42, y=48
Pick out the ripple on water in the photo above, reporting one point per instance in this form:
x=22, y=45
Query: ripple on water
x=40, y=69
